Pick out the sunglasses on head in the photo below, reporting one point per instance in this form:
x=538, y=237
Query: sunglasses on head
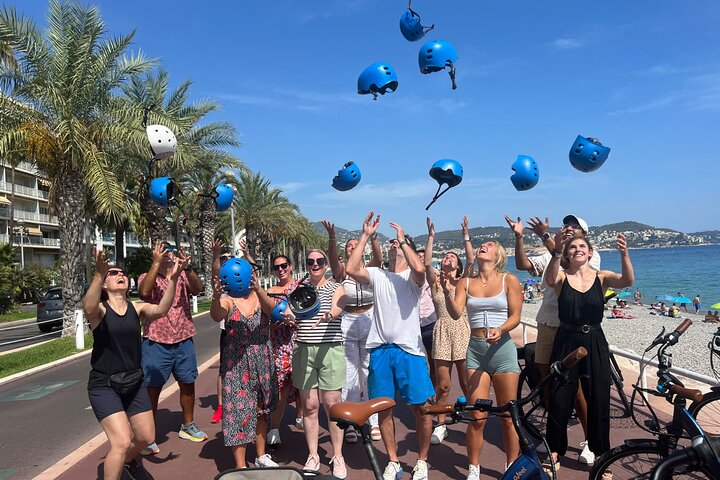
x=280, y=266
x=312, y=261
x=113, y=273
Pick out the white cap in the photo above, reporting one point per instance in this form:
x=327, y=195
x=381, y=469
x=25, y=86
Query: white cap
x=574, y=219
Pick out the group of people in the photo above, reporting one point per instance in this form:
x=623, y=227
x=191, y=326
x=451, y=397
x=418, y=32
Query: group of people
x=378, y=332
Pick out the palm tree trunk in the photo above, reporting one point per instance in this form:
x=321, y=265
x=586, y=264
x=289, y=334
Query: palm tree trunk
x=71, y=212
x=158, y=228
x=207, y=235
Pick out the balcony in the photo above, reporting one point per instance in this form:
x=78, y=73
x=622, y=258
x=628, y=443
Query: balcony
x=32, y=241
x=35, y=217
x=24, y=191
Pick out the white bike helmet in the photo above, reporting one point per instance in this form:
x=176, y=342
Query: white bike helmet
x=162, y=141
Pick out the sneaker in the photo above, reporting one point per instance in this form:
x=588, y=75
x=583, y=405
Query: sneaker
x=339, y=470
x=265, y=461
x=217, y=416
x=375, y=433
x=420, y=472
x=312, y=464
x=351, y=435
x=438, y=435
x=273, y=437
x=393, y=471
x=299, y=423
x=586, y=457
x=151, y=449
x=192, y=432
x=473, y=472
x=135, y=470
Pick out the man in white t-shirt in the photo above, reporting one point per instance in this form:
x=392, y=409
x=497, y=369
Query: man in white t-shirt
x=397, y=355
x=547, y=318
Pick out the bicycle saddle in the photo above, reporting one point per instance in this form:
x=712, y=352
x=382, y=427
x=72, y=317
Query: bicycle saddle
x=356, y=414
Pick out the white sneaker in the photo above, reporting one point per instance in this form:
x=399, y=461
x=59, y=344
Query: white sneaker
x=438, y=435
x=265, y=461
x=473, y=472
x=273, y=437
x=393, y=471
x=420, y=472
x=586, y=457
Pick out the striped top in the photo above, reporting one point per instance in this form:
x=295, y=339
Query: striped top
x=325, y=332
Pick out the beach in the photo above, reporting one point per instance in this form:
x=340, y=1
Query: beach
x=634, y=335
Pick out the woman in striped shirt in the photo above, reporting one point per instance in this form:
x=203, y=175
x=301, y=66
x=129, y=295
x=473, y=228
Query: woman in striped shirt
x=319, y=362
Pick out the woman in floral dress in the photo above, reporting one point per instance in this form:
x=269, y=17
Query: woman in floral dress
x=250, y=389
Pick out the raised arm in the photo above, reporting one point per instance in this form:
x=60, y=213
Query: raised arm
x=146, y=286
x=354, y=266
x=469, y=250
x=454, y=300
x=429, y=270
x=541, y=230
x=337, y=268
x=220, y=306
x=377, y=255
x=522, y=262
x=194, y=283
x=627, y=277
x=417, y=268
x=553, y=274
x=246, y=251
x=94, y=312
x=150, y=311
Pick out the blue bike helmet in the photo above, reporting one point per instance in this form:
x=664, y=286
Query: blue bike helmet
x=588, y=154
x=347, y=178
x=304, y=301
x=411, y=28
x=278, y=311
x=447, y=171
x=224, y=198
x=162, y=191
x=376, y=79
x=235, y=276
x=435, y=55
x=526, y=173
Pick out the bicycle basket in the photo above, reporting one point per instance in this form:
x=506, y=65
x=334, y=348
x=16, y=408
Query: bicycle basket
x=280, y=473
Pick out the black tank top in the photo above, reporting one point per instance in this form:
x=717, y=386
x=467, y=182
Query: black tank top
x=116, y=345
x=578, y=308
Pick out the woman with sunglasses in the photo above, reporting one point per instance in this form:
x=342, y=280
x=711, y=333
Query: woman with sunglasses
x=282, y=338
x=117, y=397
x=356, y=322
x=319, y=362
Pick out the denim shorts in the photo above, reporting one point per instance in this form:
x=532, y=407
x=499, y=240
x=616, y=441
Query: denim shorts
x=105, y=402
x=160, y=360
x=392, y=369
x=492, y=358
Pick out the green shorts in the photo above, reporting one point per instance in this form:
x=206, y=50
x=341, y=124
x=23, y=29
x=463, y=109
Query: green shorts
x=318, y=365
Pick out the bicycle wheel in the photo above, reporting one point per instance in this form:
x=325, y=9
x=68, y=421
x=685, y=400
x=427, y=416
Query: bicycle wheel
x=636, y=462
x=707, y=412
x=617, y=380
x=534, y=413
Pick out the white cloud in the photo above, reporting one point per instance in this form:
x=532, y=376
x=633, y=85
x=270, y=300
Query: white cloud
x=568, y=43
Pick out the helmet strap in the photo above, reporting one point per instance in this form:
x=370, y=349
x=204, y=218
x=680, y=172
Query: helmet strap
x=438, y=194
x=452, y=74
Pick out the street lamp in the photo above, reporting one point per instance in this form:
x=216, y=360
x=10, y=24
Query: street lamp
x=23, y=231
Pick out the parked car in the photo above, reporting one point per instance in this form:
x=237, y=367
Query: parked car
x=50, y=308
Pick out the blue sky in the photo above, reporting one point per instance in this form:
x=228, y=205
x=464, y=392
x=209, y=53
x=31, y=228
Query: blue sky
x=643, y=76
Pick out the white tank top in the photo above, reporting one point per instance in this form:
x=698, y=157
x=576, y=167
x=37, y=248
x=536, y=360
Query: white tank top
x=487, y=312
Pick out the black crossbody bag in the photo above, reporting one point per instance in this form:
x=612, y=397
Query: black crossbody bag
x=126, y=382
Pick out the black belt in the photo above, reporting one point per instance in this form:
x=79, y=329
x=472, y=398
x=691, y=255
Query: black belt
x=580, y=328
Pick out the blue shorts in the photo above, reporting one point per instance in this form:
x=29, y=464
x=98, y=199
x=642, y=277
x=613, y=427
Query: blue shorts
x=159, y=360
x=392, y=369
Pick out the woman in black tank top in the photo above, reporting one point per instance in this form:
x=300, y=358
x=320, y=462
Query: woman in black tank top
x=581, y=304
x=115, y=324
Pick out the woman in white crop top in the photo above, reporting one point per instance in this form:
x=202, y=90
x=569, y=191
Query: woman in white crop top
x=493, y=299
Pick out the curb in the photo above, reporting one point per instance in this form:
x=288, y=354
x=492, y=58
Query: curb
x=46, y=366
x=17, y=323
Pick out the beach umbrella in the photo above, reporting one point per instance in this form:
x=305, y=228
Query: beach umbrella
x=624, y=294
x=530, y=281
x=715, y=305
x=665, y=298
x=682, y=300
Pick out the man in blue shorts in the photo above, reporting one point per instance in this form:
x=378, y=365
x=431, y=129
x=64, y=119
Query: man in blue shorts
x=397, y=356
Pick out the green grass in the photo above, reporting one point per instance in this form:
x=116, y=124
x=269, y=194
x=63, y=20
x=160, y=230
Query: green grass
x=204, y=306
x=40, y=355
x=11, y=317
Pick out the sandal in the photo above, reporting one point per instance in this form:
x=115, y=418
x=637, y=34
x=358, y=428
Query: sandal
x=548, y=466
x=351, y=435
x=312, y=464
x=607, y=475
x=375, y=433
x=339, y=470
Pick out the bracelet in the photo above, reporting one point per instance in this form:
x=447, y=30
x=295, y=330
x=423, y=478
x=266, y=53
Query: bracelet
x=467, y=239
x=373, y=236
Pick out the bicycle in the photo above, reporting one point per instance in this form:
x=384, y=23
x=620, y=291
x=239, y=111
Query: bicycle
x=707, y=411
x=637, y=458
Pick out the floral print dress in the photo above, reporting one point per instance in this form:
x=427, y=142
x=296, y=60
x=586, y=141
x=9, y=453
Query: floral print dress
x=282, y=340
x=249, y=383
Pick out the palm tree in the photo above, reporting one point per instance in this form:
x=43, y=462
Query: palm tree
x=60, y=101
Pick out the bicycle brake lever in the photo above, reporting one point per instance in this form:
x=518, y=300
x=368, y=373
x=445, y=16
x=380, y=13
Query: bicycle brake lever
x=658, y=340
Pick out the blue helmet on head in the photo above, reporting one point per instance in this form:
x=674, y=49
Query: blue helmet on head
x=347, y=178
x=447, y=171
x=526, y=174
x=588, y=154
x=376, y=79
x=411, y=28
x=235, y=277
x=278, y=311
x=162, y=191
x=224, y=197
x=304, y=301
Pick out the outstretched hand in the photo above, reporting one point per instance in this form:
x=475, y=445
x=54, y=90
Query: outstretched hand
x=465, y=226
x=217, y=287
x=430, y=227
x=370, y=225
x=561, y=239
x=216, y=246
x=101, y=261
x=158, y=253
x=538, y=226
x=330, y=227
x=515, y=227
x=399, y=230
x=622, y=244
x=180, y=264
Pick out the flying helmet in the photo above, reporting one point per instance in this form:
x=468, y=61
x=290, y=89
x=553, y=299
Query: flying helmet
x=448, y=172
x=223, y=197
x=376, y=79
x=526, y=174
x=304, y=301
x=410, y=26
x=347, y=178
x=435, y=55
x=162, y=141
x=162, y=191
x=235, y=277
x=588, y=154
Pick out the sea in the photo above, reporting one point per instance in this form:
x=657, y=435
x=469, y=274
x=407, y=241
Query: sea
x=666, y=271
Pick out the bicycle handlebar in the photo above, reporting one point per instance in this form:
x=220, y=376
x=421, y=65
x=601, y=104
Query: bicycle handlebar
x=437, y=409
x=574, y=357
x=687, y=393
x=683, y=326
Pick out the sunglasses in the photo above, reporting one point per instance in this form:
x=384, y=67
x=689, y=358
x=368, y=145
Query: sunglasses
x=574, y=226
x=312, y=261
x=225, y=257
x=280, y=266
x=114, y=273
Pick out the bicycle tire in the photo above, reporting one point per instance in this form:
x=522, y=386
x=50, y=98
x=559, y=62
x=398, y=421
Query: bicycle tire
x=617, y=380
x=707, y=412
x=636, y=462
x=533, y=413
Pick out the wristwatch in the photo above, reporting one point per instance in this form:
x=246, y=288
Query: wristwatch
x=545, y=236
x=404, y=242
